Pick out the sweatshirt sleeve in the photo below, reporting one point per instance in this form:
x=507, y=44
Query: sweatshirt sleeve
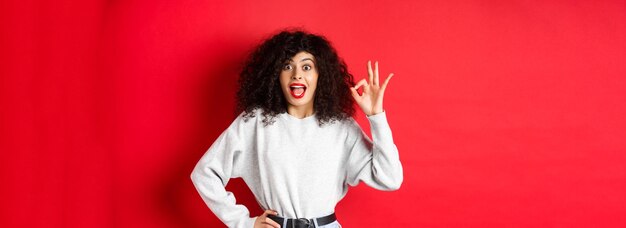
x=376, y=163
x=222, y=161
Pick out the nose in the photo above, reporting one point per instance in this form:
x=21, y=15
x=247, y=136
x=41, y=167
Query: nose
x=296, y=77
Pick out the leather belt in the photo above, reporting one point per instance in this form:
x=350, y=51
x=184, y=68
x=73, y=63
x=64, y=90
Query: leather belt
x=303, y=222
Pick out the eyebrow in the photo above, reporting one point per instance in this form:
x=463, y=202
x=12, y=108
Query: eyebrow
x=302, y=60
x=307, y=59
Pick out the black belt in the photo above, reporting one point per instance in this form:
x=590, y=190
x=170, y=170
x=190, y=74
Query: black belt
x=303, y=222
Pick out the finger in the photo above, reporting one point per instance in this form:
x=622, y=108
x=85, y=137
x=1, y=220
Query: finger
x=271, y=222
x=362, y=82
x=376, y=74
x=270, y=212
x=267, y=212
x=369, y=71
x=386, y=82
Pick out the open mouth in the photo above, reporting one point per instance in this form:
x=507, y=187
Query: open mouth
x=297, y=90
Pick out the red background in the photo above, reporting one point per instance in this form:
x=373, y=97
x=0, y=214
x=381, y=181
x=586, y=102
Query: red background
x=506, y=113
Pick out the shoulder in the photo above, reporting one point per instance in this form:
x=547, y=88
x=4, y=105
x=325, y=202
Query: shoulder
x=349, y=123
x=347, y=126
x=245, y=121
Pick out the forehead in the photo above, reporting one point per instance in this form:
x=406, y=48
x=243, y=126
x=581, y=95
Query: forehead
x=302, y=56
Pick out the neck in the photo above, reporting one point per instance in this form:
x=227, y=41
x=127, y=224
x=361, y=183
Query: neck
x=300, y=111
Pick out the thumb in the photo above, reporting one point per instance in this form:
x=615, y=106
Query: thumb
x=273, y=212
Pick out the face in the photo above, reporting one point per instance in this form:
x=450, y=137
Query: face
x=298, y=80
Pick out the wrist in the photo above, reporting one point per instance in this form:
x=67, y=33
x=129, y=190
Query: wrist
x=375, y=113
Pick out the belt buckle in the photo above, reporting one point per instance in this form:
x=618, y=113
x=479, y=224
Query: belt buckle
x=306, y=222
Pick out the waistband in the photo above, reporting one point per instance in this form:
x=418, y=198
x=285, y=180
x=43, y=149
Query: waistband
x=303, y=222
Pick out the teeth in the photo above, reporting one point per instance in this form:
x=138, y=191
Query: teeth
x=297, y=87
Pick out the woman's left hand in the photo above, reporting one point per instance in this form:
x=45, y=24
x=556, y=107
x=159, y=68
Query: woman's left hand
x=371, y=100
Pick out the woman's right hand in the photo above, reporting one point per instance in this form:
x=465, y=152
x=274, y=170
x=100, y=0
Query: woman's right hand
x=264, y=222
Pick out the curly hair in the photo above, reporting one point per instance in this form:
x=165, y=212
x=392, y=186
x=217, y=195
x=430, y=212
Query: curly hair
x=259, y=85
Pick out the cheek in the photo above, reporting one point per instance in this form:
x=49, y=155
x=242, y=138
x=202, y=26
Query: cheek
x=312, y=80
x=284, y=79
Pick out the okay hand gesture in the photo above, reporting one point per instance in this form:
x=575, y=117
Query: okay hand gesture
x=371, y=100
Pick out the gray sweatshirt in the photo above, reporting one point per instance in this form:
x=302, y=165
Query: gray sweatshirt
x=294, y=166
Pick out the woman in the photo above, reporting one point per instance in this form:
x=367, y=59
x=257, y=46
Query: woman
x=295, y=143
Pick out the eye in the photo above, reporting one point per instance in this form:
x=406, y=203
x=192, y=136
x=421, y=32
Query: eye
x=287, y=67
x=306, y=67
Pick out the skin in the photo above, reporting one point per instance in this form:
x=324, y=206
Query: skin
x=300, y=69
x=264, y=222
x=370, y=100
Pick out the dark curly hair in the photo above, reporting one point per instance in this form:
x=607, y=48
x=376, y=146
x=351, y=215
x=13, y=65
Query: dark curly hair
x=259, y=85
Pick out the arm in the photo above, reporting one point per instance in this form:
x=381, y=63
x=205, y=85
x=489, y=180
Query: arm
x=376, y=163
x=222, y=161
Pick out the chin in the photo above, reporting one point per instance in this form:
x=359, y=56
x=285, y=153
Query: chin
x=297, y=103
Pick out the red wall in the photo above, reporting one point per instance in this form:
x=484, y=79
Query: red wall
x=506, y=113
